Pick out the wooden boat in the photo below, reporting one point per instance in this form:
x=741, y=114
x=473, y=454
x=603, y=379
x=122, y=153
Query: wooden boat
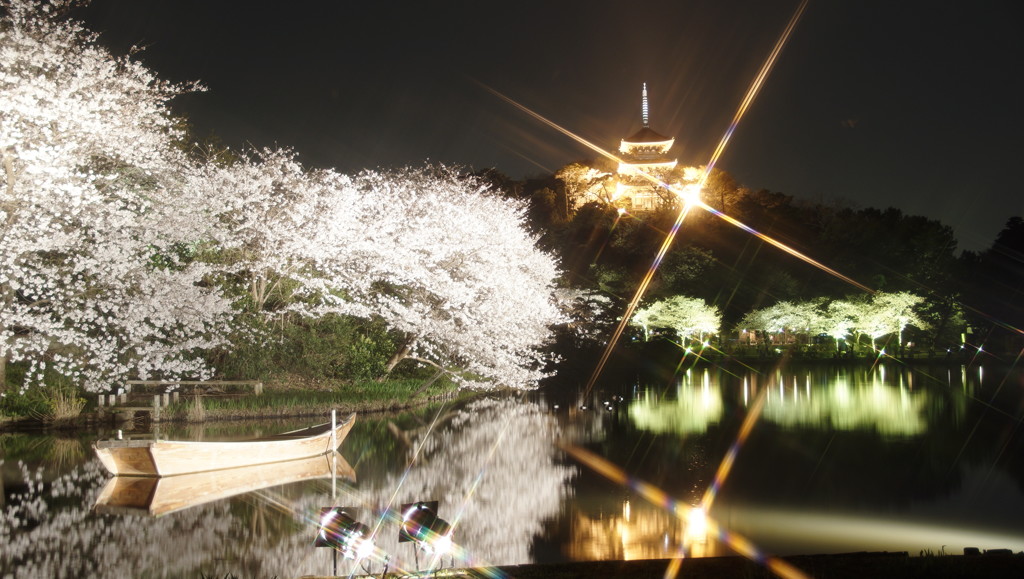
x=176, y=457
x=157, y=496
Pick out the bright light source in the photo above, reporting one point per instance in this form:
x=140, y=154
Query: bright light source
x=420, y=524
x=696, y=526
x=340, y=531
x=690, y=194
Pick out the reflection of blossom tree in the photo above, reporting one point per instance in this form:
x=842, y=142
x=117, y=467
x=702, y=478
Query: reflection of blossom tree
x=49, y=530
x=507, y=445
x=44, y=537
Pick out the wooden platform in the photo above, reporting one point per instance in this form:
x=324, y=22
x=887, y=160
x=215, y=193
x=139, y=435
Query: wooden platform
x=155, y=394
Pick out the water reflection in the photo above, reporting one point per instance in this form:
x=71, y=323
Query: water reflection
x=846, y=443
x=494, y=471
x=847, y=405
x=491, y=465
x=159, y=496
x=641, y=531
x=694, y=407
x=844, y=402
x=831, y=445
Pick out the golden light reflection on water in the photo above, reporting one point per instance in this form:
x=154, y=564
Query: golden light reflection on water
x=640, y=531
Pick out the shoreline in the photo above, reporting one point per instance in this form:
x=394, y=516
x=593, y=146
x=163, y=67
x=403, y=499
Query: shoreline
x=107, y=416
x=877, y=565
x=98, y=417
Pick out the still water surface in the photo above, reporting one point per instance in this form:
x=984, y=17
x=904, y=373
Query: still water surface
x=838, y=460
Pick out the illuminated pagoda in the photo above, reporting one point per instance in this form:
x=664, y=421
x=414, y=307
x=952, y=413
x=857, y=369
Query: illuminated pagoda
x=645, y=165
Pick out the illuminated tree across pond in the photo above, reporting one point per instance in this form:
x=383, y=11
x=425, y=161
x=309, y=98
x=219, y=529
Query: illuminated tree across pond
x=880, y=315
x=686, y=317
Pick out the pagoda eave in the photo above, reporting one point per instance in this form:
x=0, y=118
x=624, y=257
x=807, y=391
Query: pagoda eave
x=641, y=166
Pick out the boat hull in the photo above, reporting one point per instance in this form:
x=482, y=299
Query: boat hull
x=157, y=496
x=176, y=457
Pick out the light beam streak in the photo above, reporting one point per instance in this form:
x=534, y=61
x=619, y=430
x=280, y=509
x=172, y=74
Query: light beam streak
x=784, y=247
x=730, y=457
x=554, y=125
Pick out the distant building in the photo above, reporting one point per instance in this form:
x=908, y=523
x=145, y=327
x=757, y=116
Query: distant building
x=645, y=166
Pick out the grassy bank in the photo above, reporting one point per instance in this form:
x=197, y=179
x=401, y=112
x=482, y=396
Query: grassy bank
x=366, y=396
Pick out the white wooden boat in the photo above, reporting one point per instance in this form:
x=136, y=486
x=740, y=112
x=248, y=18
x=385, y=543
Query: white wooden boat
x=157, y=496
x=175, y=457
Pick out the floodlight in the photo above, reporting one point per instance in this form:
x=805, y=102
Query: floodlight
x=420, y=524
x=341, y=532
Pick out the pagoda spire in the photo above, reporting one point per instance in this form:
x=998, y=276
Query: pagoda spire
x=644, y=110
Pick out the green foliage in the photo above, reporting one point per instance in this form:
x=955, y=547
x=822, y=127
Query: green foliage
x=612, y=281
x=31, y=402
x=683, y=267
x=174, y=257
x=330, y=348
x=50, y=400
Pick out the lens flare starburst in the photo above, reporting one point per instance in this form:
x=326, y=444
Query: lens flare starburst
x=695, y=518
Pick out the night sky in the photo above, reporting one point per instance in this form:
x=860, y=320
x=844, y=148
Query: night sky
x=909, y=104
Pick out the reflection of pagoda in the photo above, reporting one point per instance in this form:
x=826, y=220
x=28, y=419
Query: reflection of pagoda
x=645, y=165
x=651, y=532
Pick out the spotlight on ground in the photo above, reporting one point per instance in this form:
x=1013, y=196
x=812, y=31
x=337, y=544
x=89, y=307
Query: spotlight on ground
x=421, y=525
x=340, y=531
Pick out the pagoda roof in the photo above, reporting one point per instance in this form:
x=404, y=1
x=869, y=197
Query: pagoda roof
x=647, y=135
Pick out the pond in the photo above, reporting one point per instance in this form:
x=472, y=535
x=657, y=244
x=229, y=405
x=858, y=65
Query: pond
x=823, y=460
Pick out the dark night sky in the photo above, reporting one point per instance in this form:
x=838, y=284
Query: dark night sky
x=909, y=104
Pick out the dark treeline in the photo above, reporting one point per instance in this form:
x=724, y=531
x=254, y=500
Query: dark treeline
x=883, y=249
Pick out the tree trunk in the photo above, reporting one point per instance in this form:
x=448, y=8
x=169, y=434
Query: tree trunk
x=7, y=294
x=398, y=356
x=6, y=299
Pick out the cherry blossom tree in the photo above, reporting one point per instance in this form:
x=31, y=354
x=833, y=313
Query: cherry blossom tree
x=801, y=318
x=683, y=315
x=840, y=320
x=780, y=318
x=880, y=315
x=119, y=252
x=270, y=211
x=97, y=278
x=446, y=264
x=890, y=313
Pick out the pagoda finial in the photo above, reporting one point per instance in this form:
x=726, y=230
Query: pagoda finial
x=644, y=109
